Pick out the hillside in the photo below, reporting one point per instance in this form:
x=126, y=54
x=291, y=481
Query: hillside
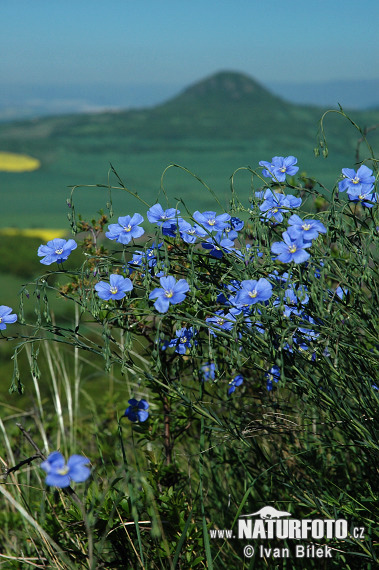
x=218, y=124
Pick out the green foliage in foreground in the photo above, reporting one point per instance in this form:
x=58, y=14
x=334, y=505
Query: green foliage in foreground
x=203, y=458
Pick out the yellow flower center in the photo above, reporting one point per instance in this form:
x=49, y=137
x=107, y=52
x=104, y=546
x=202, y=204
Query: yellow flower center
x=360, y=197
x=211, y=222
x=283, y=169
x=220, y=321
x=113, y=290
x=59, y=251
x=183, y=339
x=169, y=294
x=292, y=248
x=127, y=228
x=306, y=226
x=253, y=294
x=63, y=470
x=1, y=320
x=274, y=210
x=355, y=180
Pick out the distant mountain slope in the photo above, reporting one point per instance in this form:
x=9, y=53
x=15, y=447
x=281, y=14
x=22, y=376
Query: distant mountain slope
x=225, y=88
x=227, y=106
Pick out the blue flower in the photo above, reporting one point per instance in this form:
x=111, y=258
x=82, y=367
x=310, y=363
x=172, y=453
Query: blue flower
x=272, y=376
x=137, y=411
x=216, y=249
x=182, y=340
x=253, y=291
x=188, y=233
x=292, y=298
x=116, y=289
x=208, y=371
x=291, y=249
x=307, y=229
x=172, y=291
x=141, y=258
x=5, y=317
x=279, y=167
x=59, y=474
x=56, y=250
x=126, y=229
x=164, y=218
x=211, y=222
x=237, y=381
x=356, y=182
x=308, y=333
x=340, y=292
x=236, y=224
x=366, y=197
x=230, y=231
x=275, y=204
x=221, y=321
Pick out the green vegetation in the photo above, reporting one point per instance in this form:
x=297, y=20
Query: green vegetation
x=212, y=128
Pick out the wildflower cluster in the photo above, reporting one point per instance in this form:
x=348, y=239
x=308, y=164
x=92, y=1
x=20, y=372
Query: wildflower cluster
x=240, y=290
x=241, y=302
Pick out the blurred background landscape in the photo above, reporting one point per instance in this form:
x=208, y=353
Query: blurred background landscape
x=212, y=127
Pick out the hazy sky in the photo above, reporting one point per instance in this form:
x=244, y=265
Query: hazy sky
x=178, y=42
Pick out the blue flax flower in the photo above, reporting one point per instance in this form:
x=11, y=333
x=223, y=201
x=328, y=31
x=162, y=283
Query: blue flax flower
x=365, y=197
x=273, y=375
x=253, y=291
x=237, y=381
x=164, y=218
x=291, y=249
x=216, y=244
x=356, y=182
x=141, y=258
x=307, y=229
x=116, y=289
x=232, y=229
x=211, y=222
x=5, y=317
x=292, y=298
x=188, y=233
x=126, y=229
x=275, y=204
x=59, y=474
x=172, y=291
x=137, y=411
x=221, y=321
x=208, y=371
x=182, y=340
x=56, y=250
x=279, y=167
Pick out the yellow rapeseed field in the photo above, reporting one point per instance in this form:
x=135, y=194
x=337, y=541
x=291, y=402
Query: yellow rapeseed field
x=11, y=162
x=43, y=233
